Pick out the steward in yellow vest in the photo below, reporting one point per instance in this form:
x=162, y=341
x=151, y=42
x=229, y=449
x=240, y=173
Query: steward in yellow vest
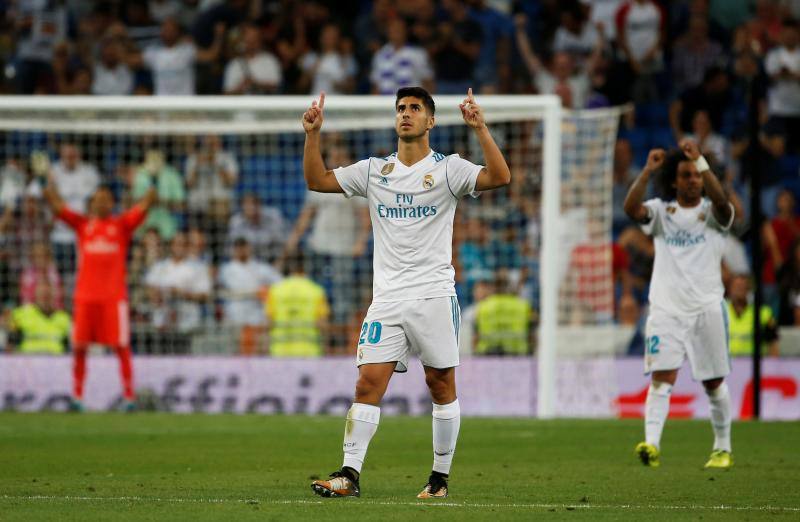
x=503, y=324
x=39, y=326
x=297, y=311
x=740, y=321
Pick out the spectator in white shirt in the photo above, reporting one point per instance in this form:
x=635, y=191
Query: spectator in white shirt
x=576, y=35
x=640, y=35
x=398, y=64
x=332, y=69
x=76, y=181
x=563, y=78
x=782, y=64
x=255, y=71
x=339, y=230
x=211, y=175
x=111, y=75
x=712, y=145
x=172, y=61
x=177, y=286
x=262, y=226
x=244, y=281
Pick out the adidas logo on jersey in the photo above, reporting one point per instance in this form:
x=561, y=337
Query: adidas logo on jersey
x=384, y=180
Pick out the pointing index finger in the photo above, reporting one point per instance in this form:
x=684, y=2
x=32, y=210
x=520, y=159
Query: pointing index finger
x=469, y=95
x=321, y=99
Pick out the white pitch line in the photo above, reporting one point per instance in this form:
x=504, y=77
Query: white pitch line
x=652, y=507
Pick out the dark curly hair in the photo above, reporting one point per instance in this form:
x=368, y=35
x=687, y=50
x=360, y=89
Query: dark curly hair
x=666, y=178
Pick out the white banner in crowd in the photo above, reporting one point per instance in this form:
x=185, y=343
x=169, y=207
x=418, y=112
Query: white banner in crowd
x=486, y=386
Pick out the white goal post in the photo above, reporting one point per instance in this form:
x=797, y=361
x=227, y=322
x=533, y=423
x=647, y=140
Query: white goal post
x=557, y=135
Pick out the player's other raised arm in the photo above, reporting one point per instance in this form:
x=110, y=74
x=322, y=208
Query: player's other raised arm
x=496, y=173
x=318, y=178
x=723, y=209
x=51, y=195
x=634, y=201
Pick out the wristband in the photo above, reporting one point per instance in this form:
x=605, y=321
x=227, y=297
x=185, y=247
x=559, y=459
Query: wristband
x=701, y=164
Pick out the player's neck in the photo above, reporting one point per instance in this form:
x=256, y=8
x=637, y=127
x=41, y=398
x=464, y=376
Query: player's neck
x=688, y=203
x=410, y=152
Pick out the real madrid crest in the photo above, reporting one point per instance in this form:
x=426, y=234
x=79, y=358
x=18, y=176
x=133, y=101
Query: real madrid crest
x=671, y=209
x=701, y=216
x=427, y=181
x=387, y=169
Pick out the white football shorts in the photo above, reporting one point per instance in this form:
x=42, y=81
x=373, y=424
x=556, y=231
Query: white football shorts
x=427, y=328
x=702, y=338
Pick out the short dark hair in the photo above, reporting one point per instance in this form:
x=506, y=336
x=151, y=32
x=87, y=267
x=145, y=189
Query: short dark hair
x=107, y=188
x=417, y=92
x=668, y=174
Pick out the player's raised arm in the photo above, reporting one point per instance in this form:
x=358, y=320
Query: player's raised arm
x=318, y=178
x=633, y=205
x=149, y=199
x=52, y=197
x=496, y=173
x=723, y=210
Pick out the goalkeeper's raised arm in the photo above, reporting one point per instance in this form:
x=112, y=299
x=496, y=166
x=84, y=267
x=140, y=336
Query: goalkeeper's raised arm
x=634, y=201
x=318, y=178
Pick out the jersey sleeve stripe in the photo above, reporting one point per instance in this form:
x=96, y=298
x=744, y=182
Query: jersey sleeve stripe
x=447, y=179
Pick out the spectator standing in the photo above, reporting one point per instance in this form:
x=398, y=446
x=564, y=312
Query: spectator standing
x=211, y=175
x=640, y=35
x=789, y=288
x=112, y=76
x=172, y=61
x=262, y=226
x=41, y=326
x=624, y=173
x=298, y=313
x=503, y=322
x=255, y=70
x=339, y=233
x=782, y=64
x=40, y=270
x=740, y=326
x=333, y=69
x=178, y=286
x=39, y=28
x=170, y=190
x=562, y=77
x=712, y=145
x=455, y=49
x=244, y=281
x=492, y=72
x=575, y=35
x=692, y=54
x=780, y=234
x=75, y=182
x=712, y=96
x=399, y=64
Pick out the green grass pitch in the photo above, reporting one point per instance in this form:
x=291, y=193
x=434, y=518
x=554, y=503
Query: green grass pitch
x=221, y=467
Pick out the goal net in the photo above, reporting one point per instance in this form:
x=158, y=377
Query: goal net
x=228, y=172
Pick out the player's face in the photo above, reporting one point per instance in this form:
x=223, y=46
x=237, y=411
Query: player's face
x=102, y=203
x=688, y=182
x=412, y=119
x=739, y=288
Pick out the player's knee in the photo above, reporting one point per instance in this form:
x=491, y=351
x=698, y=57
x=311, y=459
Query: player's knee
x=442, y=390
x=368, y=390
x=712, y=384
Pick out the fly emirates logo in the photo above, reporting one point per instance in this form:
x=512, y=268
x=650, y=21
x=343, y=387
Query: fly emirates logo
x=405, y=209
x=101, y=245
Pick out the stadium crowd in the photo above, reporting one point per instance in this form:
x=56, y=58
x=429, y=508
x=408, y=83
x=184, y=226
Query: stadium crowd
x=214, y=253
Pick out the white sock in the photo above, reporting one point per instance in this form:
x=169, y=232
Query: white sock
x=446, y=421
x=362, y=423
x=655, y=411
x=720, y=403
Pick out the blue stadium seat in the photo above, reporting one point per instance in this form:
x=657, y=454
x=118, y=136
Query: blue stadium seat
x=639, y=140
x=652, y=114
x=661, y=137
x=790, y=167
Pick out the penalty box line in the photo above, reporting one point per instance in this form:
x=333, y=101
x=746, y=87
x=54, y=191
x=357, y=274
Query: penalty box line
x=436, y=504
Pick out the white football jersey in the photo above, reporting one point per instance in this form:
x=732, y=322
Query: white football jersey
x=412, y=210
x=689, y=245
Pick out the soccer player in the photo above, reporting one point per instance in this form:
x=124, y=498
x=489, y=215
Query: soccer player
x=100, y=310
x=688, y=316
x=412, y=196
